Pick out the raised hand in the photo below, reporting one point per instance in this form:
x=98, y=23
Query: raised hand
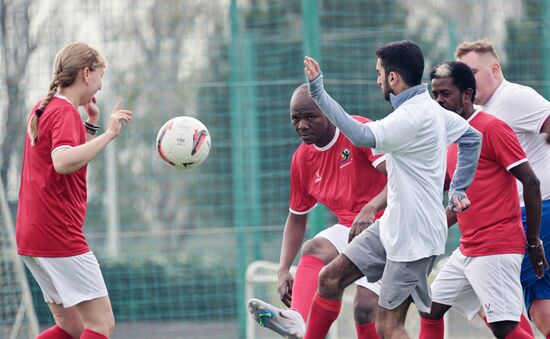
x=116, y=118
x=311, y=69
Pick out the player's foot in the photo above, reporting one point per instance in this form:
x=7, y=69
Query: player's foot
x=287, y=323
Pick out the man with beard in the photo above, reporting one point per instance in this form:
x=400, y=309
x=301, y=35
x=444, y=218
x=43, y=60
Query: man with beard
x=400, y=248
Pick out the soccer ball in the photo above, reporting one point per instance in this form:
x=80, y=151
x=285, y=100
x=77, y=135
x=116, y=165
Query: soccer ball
x=183, y=142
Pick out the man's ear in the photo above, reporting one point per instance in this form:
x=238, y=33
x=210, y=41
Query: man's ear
x=468, y=93
x=495, y=68
x=393, y=78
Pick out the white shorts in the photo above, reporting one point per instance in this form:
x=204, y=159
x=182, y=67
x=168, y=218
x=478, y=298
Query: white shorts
x=491, y=282
x=68, y=280
x=338, y=236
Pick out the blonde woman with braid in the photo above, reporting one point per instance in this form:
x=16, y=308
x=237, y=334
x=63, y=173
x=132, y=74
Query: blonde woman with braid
x=52, y=196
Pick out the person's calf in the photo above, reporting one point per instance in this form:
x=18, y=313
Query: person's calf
x=55, y=332
x=323, y=313
x=305, y=284
x=390, y=323
x=540, y=315
x=365, y=306
x=431, y=328
x=387, y=331
x=366, y=331
x=91, y=334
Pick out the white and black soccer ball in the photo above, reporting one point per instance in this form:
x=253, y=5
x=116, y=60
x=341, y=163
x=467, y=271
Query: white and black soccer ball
x=183, y=142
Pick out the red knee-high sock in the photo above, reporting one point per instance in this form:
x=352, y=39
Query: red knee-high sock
x=366, y=331
x=89, y=334
x=519, y=333
x=322, y=315
x=305, y=284
x=55, y=332
x=524, y=323
x=431, y=329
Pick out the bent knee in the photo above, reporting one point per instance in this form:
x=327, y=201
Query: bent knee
x=110, y=325
x=329, y=281
x=320, y=248
x=105, y=325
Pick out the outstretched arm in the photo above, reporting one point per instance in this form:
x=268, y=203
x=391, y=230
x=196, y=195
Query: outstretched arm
x=469, y=147
x=359, y=134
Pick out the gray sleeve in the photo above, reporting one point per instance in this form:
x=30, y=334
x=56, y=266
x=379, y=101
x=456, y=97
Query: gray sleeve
x=359, y=134
x=469, y=148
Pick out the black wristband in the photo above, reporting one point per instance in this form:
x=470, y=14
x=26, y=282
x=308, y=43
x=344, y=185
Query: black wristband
x=91, y=127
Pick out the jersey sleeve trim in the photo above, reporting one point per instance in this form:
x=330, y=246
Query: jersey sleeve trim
x=60, y=147
x=302, y=213
x=517, y=163
x=378, y=161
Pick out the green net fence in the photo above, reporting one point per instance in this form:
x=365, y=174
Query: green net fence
x=174, y=245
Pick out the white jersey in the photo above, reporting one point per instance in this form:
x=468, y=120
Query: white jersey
x=414, y=138
x=525, y=110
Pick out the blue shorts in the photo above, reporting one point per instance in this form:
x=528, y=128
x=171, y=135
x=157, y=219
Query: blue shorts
x=534, y=288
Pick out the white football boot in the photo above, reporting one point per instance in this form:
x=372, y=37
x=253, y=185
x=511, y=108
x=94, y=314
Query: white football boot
x=288, y=323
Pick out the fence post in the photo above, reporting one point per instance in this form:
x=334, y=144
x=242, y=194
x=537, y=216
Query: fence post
x=311, y=45
x=245, y=154
x=546, y=48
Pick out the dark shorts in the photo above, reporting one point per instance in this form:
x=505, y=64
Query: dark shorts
x=399, y=280
x=534, y=288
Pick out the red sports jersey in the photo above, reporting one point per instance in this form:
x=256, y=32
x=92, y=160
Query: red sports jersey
x=340, y=175
x=52, y=206
x=492, y=225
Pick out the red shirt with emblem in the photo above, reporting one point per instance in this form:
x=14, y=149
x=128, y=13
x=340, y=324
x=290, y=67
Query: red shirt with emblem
x=340, y=175
x=492, y=224
x=52, y=206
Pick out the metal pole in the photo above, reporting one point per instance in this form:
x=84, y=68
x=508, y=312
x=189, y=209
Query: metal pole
x=312, y=47
x=111, y=201
x=546, y=47
x=237, y=165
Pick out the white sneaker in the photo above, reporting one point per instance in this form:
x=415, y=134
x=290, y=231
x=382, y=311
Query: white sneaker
x=287, y=323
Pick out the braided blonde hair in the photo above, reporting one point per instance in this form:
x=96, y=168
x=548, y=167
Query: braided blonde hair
x=68, y=63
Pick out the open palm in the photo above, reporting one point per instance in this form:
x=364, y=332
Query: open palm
x=311, y=69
